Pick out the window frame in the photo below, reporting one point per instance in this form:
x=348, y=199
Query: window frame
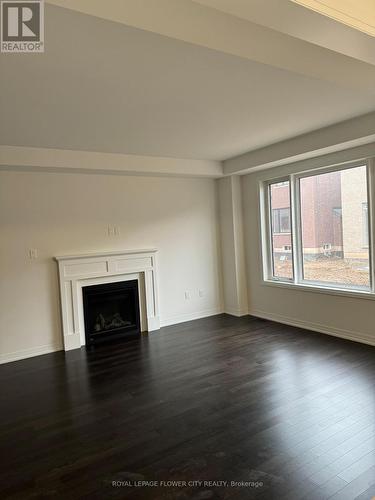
x=365, y=210
x=296, y=232
x=266, y=215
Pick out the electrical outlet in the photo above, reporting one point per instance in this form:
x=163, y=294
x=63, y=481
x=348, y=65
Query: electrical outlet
x=33, y=253
x=187, y=295
x=113, y=230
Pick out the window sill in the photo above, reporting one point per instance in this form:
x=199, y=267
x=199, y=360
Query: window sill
x=358, y=294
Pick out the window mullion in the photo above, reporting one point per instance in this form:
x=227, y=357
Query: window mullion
x=296, y=228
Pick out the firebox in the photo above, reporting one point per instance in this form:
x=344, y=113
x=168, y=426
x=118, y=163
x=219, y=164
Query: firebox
x=111, y=311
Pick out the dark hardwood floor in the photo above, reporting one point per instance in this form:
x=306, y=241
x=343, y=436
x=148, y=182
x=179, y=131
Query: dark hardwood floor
x=220, y=399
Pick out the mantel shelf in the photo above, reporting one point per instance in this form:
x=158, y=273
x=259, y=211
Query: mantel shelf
x=103, y=254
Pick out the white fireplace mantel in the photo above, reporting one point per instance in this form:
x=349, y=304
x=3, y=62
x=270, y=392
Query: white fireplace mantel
x=78, y=271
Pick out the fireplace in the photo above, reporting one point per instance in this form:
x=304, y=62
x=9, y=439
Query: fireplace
x=83, y=271
x=111, y=311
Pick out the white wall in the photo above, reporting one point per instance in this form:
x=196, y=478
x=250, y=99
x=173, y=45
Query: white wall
x=348, y=317
x=232, y=246
x=228, y=261
x=61, y=213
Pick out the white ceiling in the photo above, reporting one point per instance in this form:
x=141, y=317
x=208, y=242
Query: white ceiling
x=103, y=86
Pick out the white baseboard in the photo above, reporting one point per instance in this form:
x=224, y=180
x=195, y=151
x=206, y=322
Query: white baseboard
x=236, y=312
x=153, y=324
x=29, y=353
x=316, y=327
x=181, y=318
x=57, y=346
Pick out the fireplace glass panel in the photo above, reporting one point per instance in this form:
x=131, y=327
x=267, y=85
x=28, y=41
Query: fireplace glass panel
x=111, y=310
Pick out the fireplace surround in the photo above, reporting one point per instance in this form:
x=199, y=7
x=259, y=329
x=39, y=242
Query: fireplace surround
x=80, y=272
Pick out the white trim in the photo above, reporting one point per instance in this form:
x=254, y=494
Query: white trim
x=183, y=317
x=155, y=323
x=295, y=210
x=29, y=353
x=236, y=312
x=357, y=294
x=265, y=229
x=103, y=254
x=77, y=271
x=315, y=327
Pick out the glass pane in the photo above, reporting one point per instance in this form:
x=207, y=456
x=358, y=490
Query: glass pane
x=276, y=220
x=282, y=254
x=284, y=220
x=335, y=228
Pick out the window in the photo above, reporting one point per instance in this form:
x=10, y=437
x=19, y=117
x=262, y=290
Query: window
x=331, y=244
x=282, y=259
